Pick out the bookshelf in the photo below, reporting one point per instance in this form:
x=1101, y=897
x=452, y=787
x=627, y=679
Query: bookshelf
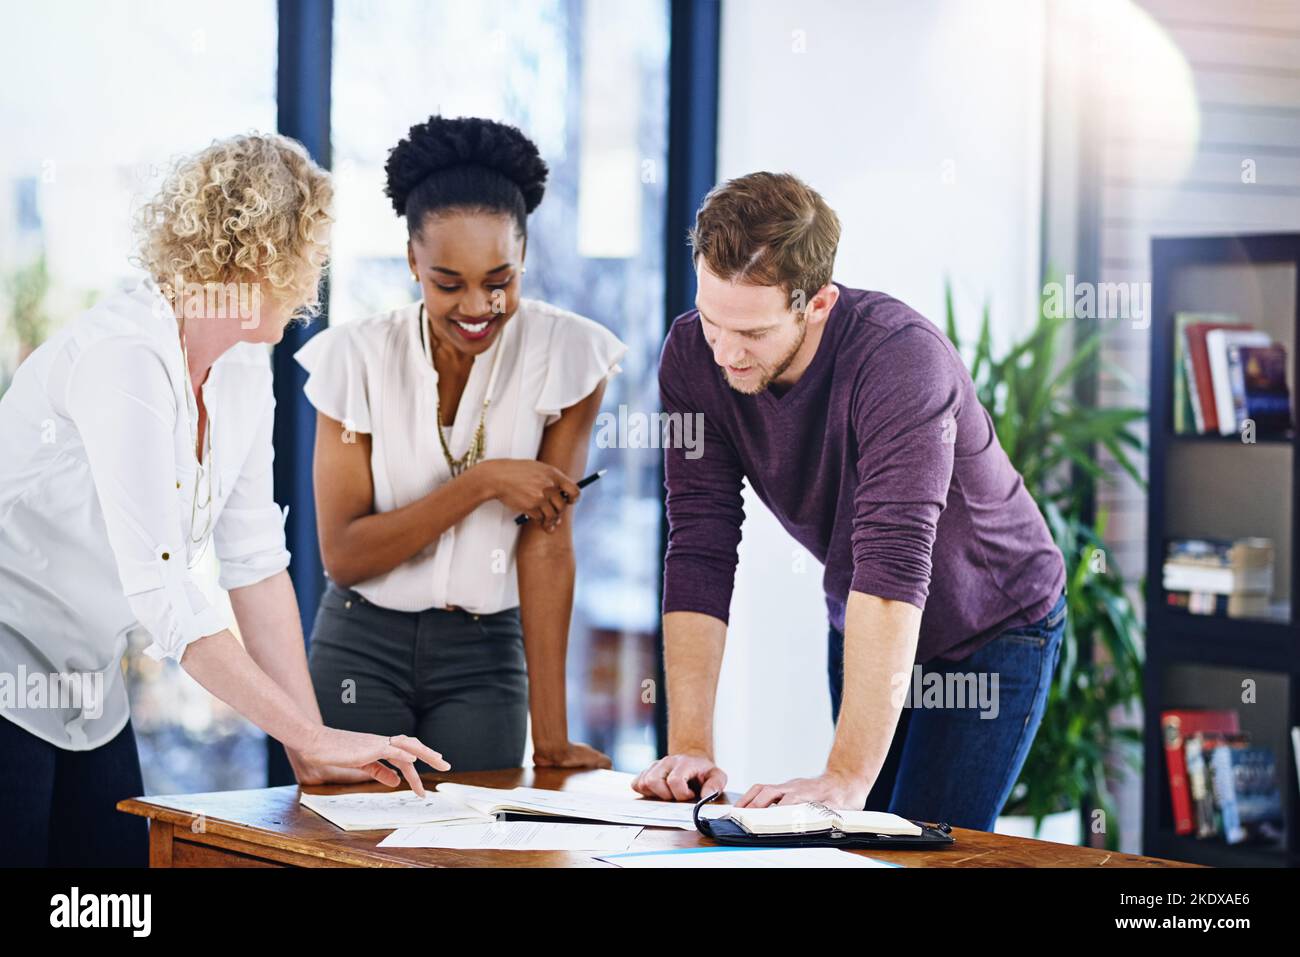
x=1210, y=486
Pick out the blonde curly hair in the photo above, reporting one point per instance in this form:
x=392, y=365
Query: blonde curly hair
x=248, y=208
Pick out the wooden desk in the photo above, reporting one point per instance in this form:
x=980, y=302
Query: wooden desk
x=269, y=828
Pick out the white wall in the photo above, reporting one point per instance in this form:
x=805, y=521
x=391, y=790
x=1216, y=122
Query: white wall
x=920, y=122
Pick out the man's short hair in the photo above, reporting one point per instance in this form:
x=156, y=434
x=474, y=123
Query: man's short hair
x=768, y=229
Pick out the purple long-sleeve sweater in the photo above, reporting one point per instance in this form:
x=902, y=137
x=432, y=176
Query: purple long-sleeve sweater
x=880, y=461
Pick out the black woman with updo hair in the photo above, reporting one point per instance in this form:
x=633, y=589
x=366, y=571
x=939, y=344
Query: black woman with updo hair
x=437, y=424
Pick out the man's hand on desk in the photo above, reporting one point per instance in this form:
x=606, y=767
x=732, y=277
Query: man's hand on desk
x=572, y=754
x=829, y=788
x=681, y=777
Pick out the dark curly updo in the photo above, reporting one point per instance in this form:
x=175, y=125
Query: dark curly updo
x=465, y=163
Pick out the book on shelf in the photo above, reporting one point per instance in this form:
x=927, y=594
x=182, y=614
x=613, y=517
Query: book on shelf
x=1222, y=789
x=1247, y=798
x=1217, y=344
x=1214, y=552
x=1259, y=376
x=1196, y=326
x=1220, y=581
x=1176, y=726
x=1226, y=606
x=1214, y=576
x=1198, y=786
x=1185, y=422
x=1221, y=785
x=1295, y=751
x=1225, y=373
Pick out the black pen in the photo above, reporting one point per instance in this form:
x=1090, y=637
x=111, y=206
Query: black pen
x=581, y=483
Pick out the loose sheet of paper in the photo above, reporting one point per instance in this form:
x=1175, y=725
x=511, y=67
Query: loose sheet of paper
x=516, y=836
x=383, y=810
x=744, y=857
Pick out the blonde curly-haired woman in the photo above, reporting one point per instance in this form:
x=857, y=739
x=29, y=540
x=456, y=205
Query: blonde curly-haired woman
x=132, y=437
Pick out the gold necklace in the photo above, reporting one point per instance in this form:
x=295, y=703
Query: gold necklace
x=478, y=445
x=204, y=471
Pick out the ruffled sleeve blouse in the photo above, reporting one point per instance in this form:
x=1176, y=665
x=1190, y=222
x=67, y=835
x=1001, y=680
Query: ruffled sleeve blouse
x=374, y=376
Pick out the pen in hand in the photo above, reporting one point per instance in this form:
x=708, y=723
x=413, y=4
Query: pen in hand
x=581, y=483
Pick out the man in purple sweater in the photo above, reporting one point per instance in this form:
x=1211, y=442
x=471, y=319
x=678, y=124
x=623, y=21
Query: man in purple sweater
x=856, y=423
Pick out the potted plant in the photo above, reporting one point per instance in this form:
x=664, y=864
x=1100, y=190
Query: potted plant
x=1051, y=439
x=27, y=316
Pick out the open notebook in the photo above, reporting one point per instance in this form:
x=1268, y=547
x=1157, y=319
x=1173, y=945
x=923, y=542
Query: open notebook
x=812, y=818
x=463, y=803
x=815, y=825
x=629, y=808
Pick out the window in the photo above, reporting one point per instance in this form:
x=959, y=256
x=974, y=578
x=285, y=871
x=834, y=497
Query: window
x=90, y=133
x=588, y=82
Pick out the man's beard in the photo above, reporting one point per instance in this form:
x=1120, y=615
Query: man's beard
x=762, y=382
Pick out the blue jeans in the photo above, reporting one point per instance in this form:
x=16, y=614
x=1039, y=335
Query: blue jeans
x=960, y=742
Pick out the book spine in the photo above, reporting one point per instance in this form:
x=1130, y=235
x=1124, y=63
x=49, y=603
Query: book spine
x=1197, y=783
x=1181, y=425
x=1295, y=751
x=1223, y=776
x=1198, y=602
x=1217, y=351
x=1176, y=765
x=1236, y=388
x=1193, y=393
x=1204, y=383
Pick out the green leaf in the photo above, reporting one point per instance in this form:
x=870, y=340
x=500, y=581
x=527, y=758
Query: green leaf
x=1030, y=394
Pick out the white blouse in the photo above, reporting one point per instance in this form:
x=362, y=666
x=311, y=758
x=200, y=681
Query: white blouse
x=374, y=376
x=99, y=511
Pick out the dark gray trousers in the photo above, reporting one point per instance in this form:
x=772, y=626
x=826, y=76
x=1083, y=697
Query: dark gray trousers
x=455, y=680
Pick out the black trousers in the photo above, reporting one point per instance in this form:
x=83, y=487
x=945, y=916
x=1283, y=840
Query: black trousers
x=455, y=680
x=58, y=807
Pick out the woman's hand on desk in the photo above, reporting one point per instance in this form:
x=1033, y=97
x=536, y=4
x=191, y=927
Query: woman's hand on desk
x=311, y=774
x=305, y=772
x=535, y=488
x=352, y=749
x=573, y=754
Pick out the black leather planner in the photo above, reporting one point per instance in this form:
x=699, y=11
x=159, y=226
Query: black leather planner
x=730, y=832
